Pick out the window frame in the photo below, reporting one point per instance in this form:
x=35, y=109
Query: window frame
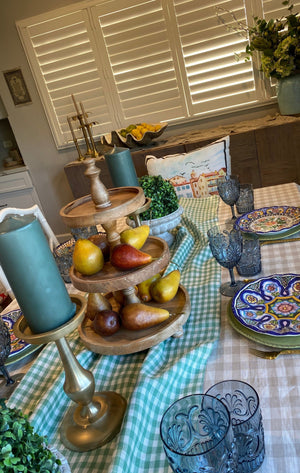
x=264, y=91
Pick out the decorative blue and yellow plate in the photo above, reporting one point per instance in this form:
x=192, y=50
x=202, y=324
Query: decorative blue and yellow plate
x=270, y=305
x=271, y=222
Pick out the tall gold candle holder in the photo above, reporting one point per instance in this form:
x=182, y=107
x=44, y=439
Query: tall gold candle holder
x=97, y=417
x=85, y=128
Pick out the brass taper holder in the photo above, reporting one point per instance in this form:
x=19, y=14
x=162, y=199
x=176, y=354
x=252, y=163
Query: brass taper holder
x=86, y=128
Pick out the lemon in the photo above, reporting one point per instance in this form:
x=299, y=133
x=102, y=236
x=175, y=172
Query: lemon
x=87, y=257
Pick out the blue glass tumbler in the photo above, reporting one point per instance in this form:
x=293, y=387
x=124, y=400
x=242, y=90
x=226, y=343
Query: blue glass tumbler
x=197, y=435
x=243, y=404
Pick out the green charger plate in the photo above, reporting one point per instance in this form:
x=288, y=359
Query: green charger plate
x=264, y=339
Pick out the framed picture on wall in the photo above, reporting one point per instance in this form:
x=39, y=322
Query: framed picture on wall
x=17, y=87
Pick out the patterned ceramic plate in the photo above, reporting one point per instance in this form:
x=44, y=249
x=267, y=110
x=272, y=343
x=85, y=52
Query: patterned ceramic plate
x=262, y=338
x=270, y=305
x=270, y=221
x=19, y=348
x=16, y=344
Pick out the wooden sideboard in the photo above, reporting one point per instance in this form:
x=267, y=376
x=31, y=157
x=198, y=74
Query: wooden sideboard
x=263, y=153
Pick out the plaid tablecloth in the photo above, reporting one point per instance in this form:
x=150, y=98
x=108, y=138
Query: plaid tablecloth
x=149, y=380
x=276, y=381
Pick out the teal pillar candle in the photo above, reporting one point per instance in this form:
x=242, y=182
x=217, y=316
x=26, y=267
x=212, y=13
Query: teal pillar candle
x=121, y=167
x=33, y=275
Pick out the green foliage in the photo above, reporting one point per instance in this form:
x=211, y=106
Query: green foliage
x=277, y=41
x=21, y=448
x=163, y=197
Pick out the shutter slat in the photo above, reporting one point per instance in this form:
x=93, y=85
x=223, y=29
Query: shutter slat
x=152, y=93
x=76, y=40
x=149, y=80
x=78, y=50
x=47, y=26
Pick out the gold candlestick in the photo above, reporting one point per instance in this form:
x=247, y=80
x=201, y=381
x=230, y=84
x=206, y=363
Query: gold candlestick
x=97, y=418
x=89, y=129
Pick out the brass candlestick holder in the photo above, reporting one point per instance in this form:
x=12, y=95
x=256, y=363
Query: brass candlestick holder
x=97, y=417
x=85, y=127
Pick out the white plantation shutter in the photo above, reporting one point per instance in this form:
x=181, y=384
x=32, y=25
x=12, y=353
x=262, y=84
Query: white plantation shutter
x=140, y=60
x=214, y=78
x=130, y=61
x=63, y=59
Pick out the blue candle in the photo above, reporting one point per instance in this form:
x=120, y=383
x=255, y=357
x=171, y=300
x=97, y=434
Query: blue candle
x=121, y=168
x=33, y=275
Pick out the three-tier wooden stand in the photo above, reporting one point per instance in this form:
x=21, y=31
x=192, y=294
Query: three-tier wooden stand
x=104, y=207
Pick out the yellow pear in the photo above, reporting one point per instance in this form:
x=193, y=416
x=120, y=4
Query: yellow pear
x=144, y=288
x=165, y=288
x=87, y=257
x=135, y=236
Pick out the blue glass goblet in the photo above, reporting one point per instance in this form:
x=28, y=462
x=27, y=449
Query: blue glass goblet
x=197, y=436
x=242, y=402
x=226, y=244
x=229, y=191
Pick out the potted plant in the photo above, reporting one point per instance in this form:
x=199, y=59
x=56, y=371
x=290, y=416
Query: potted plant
x=164, y=213
x=278, y=44
x=21, y=448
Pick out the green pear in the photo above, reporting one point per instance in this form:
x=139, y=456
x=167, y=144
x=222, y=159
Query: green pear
x=135, y=237
x=144, y=288
x=165, y=288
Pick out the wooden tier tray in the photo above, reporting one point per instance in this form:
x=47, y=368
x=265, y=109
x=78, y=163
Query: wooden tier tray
x=131, y=341
x=82, y=212
x=112, y=279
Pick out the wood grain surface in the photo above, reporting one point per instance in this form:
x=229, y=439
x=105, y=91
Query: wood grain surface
x=113, y=279
x=131, y=341
x=82, y=212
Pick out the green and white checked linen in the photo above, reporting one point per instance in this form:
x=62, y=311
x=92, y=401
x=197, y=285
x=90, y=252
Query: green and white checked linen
x=150, y=380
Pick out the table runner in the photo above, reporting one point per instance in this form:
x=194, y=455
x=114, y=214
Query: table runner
x=150, y=380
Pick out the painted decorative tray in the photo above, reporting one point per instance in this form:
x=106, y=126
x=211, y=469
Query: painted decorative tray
x=19, y=348
x=270, y=305
x=271, y=222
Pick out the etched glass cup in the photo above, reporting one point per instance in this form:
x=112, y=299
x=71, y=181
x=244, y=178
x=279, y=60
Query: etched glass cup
x=245, y=202
x=242, y=402
x=250, y=262
x=197, y=436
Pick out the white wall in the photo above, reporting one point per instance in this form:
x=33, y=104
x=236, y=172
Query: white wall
x=29, y=123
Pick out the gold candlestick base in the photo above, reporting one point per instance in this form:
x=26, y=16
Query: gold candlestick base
x=97, y=418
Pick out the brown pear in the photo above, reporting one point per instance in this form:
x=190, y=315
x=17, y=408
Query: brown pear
x=124, y=256
x=101, y=241
x=140, y=316
x=96, y=303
